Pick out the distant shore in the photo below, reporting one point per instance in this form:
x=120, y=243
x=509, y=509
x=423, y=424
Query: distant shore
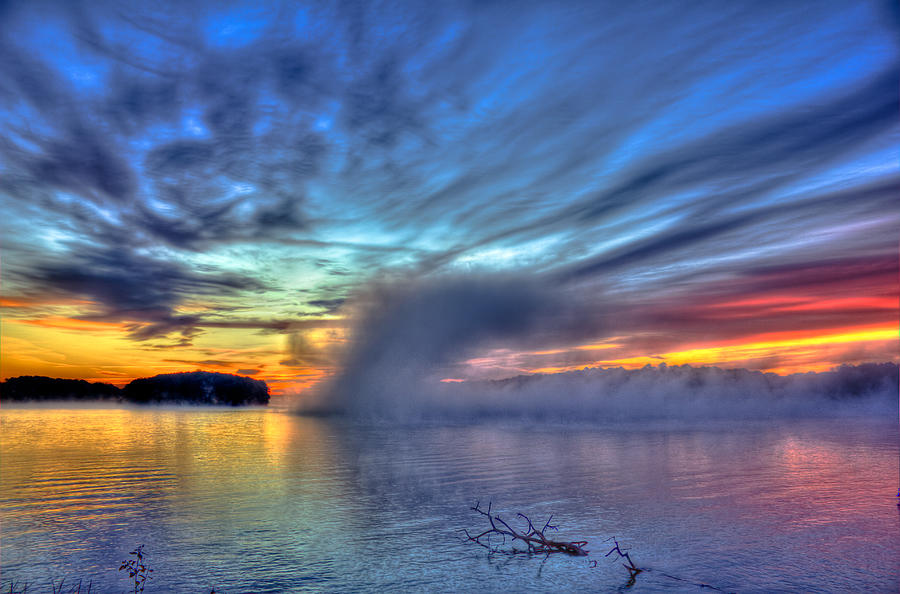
x=195, y=387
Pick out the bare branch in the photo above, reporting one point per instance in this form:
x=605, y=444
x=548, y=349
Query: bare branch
x=535, y=540
x=633, y=570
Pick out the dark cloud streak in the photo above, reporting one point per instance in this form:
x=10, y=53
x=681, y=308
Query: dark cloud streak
x=157, y=154
x=128, y=286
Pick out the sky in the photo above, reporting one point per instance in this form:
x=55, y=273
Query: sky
x=486, y=189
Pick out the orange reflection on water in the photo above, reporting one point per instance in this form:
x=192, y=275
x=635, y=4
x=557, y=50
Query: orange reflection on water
x=819, y=475
x=114, y=464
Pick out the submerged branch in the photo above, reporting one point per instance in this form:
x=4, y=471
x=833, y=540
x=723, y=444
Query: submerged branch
x=633, y=570
x=535, y=540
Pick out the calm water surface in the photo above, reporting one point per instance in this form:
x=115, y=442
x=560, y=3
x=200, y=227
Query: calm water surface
x=263, y=501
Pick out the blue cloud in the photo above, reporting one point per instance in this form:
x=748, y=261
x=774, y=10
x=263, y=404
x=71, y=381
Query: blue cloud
x=582, y=143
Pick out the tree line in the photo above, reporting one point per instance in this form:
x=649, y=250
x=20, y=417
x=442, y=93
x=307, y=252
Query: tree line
x=195, y=387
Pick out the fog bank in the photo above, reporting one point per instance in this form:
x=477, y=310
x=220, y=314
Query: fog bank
x=651, y=393
x=411, y=333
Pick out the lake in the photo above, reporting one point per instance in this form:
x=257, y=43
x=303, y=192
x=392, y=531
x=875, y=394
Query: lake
x=245, y=500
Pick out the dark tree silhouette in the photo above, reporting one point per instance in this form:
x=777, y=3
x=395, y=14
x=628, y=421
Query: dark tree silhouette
x=37, y=387
x=198, y=387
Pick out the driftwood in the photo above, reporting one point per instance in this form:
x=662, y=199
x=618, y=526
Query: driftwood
x=633, y=570
x=536, y=542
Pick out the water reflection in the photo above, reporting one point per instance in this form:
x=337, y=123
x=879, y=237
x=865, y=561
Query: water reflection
x=263, y=501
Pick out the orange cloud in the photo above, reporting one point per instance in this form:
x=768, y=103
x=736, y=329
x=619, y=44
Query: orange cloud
x=793, y=350
x=76, y=324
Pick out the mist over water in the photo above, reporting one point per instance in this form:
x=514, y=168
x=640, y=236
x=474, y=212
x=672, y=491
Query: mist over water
x=652, y=393
x=409, y=337
x=408, y=334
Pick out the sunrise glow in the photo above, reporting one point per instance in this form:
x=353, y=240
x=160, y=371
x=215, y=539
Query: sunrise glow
x=264, y=196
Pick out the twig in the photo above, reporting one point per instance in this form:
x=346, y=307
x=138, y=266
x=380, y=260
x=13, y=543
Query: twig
x=633, y=569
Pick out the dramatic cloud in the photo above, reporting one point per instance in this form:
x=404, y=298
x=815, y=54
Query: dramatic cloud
x=125, y=286
x=234, y=174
